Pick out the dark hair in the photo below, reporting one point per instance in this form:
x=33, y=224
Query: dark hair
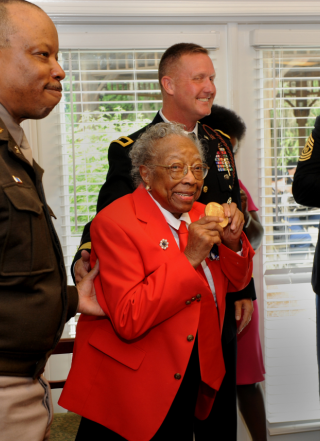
x=225, y=120
x=174, y=53
x=6, y=27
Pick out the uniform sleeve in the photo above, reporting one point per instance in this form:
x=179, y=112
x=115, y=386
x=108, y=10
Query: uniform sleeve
x=118, y=184
x=306, y=183
x=237, y=269
x=119, y=181
x=73, y=300
x=85, y=244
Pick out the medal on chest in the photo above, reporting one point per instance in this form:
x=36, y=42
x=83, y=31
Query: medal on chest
x=222, y=160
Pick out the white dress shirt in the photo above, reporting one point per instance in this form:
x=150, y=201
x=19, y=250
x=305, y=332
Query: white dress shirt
x=195, y=129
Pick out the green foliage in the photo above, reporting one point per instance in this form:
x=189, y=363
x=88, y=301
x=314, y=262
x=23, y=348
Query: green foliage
x=93, y=132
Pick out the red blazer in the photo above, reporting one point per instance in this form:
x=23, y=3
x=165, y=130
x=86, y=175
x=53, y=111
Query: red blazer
x=124, y=366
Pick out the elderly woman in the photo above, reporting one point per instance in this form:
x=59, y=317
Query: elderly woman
x=143, y=372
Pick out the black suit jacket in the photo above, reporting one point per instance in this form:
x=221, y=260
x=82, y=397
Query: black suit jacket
x=306, y=188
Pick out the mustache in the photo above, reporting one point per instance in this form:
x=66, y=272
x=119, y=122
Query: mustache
x=57, y=87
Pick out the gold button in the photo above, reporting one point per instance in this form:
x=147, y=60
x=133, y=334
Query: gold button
x=193, y=299
x=226, y=176
x=177, y=376
x=190, y=337
x=17, y=149
x=205, y=189
x=1, y=130
x=230, y=186
x=188, y=302
x=198, y=296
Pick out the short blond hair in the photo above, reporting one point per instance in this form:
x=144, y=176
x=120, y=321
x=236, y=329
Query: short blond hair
x=173, y=54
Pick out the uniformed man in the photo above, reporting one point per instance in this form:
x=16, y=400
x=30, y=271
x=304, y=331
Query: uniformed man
x=305, y=190
x=35, y=301
x=186, y=76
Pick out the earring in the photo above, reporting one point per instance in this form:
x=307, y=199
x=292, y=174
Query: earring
x=148, y=188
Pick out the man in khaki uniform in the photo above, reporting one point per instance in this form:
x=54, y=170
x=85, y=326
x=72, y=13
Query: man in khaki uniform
x=35, y=301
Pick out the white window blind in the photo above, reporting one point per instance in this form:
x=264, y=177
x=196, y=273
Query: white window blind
x=288, y=100
x=107, y=93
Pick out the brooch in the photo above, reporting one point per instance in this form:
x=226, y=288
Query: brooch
x=164, y=244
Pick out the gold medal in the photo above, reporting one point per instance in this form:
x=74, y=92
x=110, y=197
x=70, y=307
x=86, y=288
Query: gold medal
x=214, y=209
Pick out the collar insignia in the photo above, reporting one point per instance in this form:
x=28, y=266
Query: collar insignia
x=16, y=179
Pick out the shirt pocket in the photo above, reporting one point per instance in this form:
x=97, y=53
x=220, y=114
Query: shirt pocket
x=28, y=248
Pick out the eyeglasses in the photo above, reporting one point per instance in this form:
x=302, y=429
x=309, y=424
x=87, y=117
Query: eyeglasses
x=178, y=170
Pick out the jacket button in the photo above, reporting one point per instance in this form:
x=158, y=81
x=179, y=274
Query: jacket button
x=193, y=299
x=205, y=189
x=230, y=186
x=226, y=176
x=188, y=302
x=190, y=337
x=198, y=296
x=177, y=376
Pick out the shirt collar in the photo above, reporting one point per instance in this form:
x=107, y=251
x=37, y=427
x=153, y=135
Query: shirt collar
x=169, y=217
x=13, y=127
x=195, y=129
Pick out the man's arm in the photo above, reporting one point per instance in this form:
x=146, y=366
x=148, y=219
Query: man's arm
x=118, y=184
x=119, y=181
x=254, y=229
x=306, y=182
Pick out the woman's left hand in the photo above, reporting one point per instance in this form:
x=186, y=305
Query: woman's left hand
x=232, y=232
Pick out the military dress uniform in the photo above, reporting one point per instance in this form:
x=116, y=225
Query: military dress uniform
x=306, y=190
x=221, y=185
x=35, y=301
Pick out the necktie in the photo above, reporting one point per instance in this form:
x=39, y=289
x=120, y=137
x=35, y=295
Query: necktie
x=183, y=236
x=209, y=338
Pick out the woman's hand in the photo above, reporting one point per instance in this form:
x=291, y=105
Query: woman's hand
x=203, y=234
x=232, y=232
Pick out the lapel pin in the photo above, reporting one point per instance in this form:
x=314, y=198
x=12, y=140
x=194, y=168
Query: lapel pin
x=164, y=244
x=16, y=148
x=1, y=130
x=18, y=180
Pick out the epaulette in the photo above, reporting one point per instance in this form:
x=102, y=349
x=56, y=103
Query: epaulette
x=224, y=134
x=127, y=141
